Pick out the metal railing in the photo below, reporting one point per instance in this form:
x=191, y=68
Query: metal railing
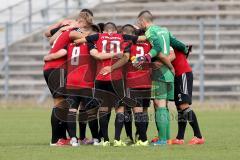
x=9, y=32
x=201, y=61
x=26, y=24
x=199, y=66
x=46, y=14
x=10, y=9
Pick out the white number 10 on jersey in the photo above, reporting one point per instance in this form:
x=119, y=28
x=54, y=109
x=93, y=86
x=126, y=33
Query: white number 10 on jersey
x=113, y=45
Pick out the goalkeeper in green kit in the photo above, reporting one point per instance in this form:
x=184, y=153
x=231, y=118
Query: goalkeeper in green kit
x=163, y=78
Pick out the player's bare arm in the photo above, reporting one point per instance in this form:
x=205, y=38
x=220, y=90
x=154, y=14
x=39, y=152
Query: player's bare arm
x=104, y=56
x=156, y=51
x=47, y=33
x=171, y=57
x=54, y=37
x=141, y=38
x=75, y=35
x=79, y=41
x=121, y=62
x=165, y=60
x=57, y=34
x=90, y=39
x=59, y=54
x=64, y=22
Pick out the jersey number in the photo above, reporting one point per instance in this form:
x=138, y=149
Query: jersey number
x=75, y=56
x=140, y=50
x=113, y=45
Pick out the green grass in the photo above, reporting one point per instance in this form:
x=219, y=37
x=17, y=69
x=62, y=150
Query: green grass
x=25, y=134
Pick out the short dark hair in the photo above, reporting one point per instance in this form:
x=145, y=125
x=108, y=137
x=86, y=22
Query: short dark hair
x=101, y=26
x=128, y=29
x=95, y=28
x=110, y=25
x=119, y=29
x=140, y=32
x=88, y=11
x=146, y=14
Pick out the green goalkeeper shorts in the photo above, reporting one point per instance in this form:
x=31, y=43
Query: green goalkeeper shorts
x=162, y=90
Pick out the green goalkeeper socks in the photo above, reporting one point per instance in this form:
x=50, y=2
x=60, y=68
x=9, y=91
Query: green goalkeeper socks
x=163, y=124
x=168, y=126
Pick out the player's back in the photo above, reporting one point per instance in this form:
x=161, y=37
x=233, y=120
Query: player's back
x=139, y=78
x=109, y=43
x=80, y=67
x=161, y=35
x=180, y=63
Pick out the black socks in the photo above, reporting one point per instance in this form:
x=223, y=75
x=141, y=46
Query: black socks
x=119, y=121
x=93, y=123
x=192, y=119
x=82, y=123
x=55, y=126
x=182, y=123
x=72, y=124
x=128, y=123
x=141, y=125
x=184, y=116
x=104, y=118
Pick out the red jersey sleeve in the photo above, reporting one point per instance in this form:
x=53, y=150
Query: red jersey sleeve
x=61, y=41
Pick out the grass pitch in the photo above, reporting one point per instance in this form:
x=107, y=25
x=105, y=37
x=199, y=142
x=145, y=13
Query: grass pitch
x=25, y=135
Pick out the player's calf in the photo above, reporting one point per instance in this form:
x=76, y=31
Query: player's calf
x=119, y=122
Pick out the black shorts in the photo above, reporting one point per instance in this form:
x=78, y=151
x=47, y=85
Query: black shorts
x=141, y=96
x=87, y=103
x=83, y=92
x=55, y=79
x=183, y=86
x=110, y=93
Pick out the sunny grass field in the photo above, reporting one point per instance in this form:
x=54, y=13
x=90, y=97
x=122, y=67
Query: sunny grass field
x=25, y=135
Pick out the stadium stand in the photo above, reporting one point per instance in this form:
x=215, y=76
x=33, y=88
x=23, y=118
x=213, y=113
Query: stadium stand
x=182, y=17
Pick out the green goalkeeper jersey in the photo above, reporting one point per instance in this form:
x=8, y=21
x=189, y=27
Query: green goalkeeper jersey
x=161, y=40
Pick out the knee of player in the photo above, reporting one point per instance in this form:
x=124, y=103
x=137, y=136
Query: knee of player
x=119, y=109
x=103, y=109
x=138, y=109
x=183, y=106
x=72, y=110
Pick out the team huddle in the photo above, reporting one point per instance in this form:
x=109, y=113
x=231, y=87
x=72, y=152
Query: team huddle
x=93, y=68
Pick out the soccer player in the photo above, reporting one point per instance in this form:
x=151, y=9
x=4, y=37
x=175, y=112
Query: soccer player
x=163, y=78
x=138, y=83
x=53, y=31
x=54, y=73
x=63, y=25
x=80, y=82
x=183, y=99
x=80, y=79
x=110, y=84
